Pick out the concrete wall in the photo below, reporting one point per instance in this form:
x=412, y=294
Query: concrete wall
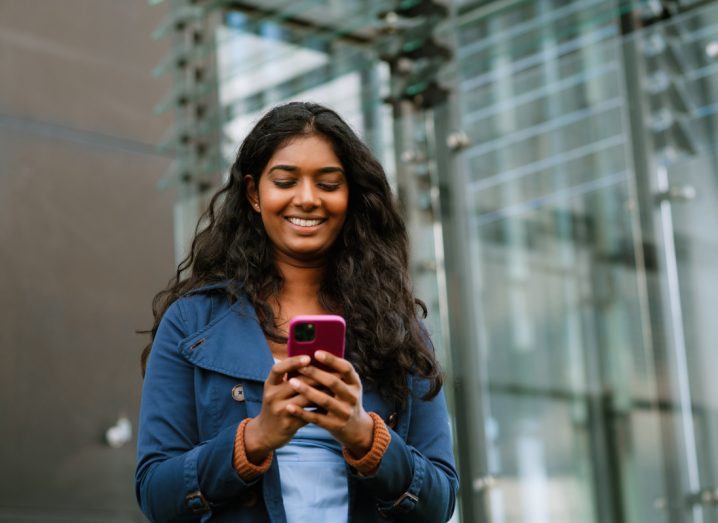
x=85, y=242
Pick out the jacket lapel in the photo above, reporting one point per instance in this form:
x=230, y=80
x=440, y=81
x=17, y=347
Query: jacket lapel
x=233, y=344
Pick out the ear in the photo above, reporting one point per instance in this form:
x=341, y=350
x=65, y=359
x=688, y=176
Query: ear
x=252, y=192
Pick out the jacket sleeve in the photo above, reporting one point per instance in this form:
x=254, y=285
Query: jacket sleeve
x=417, y=480
x=173, y=466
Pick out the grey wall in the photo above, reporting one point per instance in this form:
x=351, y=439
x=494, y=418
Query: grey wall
x=85, y=242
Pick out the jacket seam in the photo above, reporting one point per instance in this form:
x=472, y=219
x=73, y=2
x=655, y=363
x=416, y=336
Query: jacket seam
x=226, y=372
x=181, y=314
x=209, y=325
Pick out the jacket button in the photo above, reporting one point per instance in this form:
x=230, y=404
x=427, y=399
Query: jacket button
x=392, y=419
x=250, y=498
x=238, y=393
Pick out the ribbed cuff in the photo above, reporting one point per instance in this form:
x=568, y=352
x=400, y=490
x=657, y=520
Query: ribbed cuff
x=245, y=468
x=369, y=462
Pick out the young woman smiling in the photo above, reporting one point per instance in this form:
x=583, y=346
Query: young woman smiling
x=306, y=224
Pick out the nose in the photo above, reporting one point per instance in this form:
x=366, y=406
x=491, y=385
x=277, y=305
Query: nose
x=306, y=196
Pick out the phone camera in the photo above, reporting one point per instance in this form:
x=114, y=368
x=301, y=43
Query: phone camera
x=304, y=332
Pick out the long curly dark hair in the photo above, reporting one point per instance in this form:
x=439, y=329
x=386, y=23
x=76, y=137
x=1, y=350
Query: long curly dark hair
x=367, y=278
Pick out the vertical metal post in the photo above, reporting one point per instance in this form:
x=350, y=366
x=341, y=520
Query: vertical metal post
x=678, y=342
x=652, y=232
x=467, y=357
x=370, y=106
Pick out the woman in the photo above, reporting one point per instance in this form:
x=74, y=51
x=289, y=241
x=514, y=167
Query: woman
x=305, y=225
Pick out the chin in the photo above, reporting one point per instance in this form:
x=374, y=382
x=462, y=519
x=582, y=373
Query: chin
x=304, y=253
x=307, y=252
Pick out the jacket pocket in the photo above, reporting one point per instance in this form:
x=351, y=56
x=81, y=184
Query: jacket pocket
x=231, y=363
x=222, y=399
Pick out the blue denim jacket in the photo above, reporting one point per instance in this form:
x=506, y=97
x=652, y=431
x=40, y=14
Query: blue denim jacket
x=205, y=375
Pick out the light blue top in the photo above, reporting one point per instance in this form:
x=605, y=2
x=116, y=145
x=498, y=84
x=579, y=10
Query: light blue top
x=313, y=476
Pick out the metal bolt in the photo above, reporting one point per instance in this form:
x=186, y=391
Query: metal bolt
x=658, y=82
x=707, y=497
x=458, y=140
x=413, y=156
x=391, y=18
x=391, y=23
x=404, y=66
x=484, y=483
x=654, y=44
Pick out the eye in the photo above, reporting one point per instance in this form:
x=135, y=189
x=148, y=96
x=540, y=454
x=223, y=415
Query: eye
x=328, y=186
x=283, y=184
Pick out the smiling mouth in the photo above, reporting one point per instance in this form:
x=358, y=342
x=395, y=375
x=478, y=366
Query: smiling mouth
x=301, y=222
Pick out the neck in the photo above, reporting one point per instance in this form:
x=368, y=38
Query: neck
x=300, y=279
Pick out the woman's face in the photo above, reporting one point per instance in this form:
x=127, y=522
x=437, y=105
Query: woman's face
x=303, y=197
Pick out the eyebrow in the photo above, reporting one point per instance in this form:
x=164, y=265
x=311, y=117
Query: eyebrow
x=294, y=168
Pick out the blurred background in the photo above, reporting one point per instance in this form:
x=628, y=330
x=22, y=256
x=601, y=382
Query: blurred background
x=556, y=164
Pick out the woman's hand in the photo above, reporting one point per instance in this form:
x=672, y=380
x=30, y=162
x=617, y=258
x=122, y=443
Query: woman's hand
x=275, y=426
x=344, y=416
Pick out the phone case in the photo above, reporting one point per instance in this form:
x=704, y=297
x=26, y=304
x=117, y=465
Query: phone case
x=329, y=335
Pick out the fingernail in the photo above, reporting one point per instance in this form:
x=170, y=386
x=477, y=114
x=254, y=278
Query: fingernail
x=320, y=355
x=306, y=359
x=290, y=408
x=294, y=382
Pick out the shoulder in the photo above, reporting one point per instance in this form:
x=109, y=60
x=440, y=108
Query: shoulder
x=204, y=305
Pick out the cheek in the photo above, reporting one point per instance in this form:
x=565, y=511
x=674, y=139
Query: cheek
x=273, y=201
x=338, y=206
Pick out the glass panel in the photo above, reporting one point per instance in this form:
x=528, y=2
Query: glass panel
x=680, y=77
x=541, y=482
x=263, y=62
x=572, y=422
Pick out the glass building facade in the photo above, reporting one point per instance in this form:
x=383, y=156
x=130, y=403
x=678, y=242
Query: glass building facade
x=563, y=207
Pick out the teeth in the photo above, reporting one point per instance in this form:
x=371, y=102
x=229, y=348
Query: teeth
x=304, y=223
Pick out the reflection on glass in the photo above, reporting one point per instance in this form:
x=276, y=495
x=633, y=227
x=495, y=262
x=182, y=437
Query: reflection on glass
x=585, y=414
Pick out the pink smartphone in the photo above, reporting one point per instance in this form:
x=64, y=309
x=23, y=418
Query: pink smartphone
x=308, y=334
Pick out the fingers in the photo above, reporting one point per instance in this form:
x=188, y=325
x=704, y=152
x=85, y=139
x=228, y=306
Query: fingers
x=307, y=416
x=279, y=406
x=342, y=366
x=309, y=381
x=280, y=368
x=300, y=401
x=340, y=409
x=331, y=382
x=285, y=390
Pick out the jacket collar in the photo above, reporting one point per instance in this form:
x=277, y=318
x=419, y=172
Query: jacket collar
x=232, y=343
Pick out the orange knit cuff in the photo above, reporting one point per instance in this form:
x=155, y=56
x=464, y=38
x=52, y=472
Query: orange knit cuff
x=369, y=462
x=245, y=468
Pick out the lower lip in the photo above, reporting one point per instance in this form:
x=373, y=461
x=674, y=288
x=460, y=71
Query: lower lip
x=301, y=228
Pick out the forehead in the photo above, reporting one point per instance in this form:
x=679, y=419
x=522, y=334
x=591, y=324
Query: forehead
x=305, y=151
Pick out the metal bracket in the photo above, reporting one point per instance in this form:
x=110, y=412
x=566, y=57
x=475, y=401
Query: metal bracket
x=682, y=193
